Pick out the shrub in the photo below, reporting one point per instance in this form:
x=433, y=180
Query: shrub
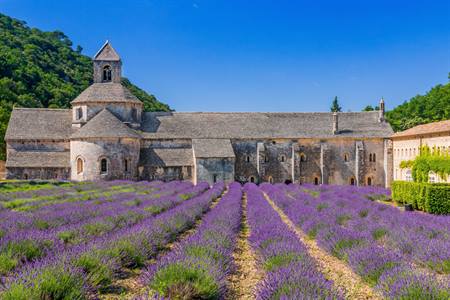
x=430, y=197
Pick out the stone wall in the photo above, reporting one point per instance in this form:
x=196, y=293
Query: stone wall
x=38, y=173
x=215, y=169
x=165, y=173
x=115, y=151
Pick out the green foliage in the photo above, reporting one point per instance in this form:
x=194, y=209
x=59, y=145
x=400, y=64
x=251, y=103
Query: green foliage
x=178, y=281
x=431, y=107
x=99, y=274
x=281, y=260
x=430, y=197
x=41, y=69
x=370, y=108
x=335, y=107
x=379, y=233
x=429, y=160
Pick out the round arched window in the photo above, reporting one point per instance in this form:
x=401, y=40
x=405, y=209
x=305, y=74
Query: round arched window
x=107, y=73
x=80, y=165
x=103, y=166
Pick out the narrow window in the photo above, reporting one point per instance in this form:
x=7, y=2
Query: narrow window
x=103, y=166
x=25, y=176
x=215, y=178
x=316, y=181
x=302, y=157
x=370, y=157
x=252, y=179
x=125, y=163
x=107, y=74
x=283, y=158
x=374, y=158
x=79, y=113
x=369, y=180
x=79, y=165
x=134, y=114
x=270, y=179
x=247, y=158
x=266, y=158
x=346, y=157
x=352, y=181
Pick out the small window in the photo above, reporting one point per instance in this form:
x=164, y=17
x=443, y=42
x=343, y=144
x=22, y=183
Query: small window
x=79, y=113
x=103, y=166
x=282, y=158
x=273, y=142
x=134, y=114
x=252, y=179
x=352, y=181
x=374, y=157
x=346, y=157
x=214, y=178
x=370, y=157
x=107, y=74
x=247, y=158
x=25, y=176
x=270, y=179
x=126, y=164
x=316, y=180
x=302, y=157
x=266, y=158
x=80, y=166
x=369, y=181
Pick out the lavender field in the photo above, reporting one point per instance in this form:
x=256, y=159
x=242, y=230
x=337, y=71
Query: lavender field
x=155, y=240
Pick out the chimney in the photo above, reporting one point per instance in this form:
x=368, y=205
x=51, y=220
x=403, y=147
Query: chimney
x=381, y=111
x=335, y=123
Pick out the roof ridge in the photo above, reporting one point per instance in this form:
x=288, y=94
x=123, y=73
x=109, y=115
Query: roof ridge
x=258, y=112
x=41, y=108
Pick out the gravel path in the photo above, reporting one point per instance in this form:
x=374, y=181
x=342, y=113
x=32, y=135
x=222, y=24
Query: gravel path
x=243, y=281
x=334, y=269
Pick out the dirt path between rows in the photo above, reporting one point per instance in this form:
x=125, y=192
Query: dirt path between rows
x=130, y=287
x=351, y=284
x=244, y=279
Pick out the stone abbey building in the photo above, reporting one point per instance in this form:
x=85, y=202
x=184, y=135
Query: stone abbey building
x=106, y=135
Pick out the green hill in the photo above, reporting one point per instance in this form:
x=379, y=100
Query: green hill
x=41, y=69
x=431, y=107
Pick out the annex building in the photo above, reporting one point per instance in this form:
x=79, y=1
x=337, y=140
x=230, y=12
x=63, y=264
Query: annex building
x=107, y=135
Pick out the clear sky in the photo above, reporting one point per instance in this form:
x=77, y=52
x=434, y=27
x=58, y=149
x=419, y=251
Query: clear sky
x=261, y=55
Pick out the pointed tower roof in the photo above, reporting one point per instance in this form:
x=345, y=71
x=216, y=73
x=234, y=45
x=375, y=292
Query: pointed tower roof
x=107, y=52
x=105, y=125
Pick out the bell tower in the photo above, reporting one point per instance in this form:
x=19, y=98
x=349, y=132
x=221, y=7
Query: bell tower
x=107, y=65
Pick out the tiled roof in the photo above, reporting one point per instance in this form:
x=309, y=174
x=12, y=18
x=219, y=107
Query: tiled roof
x=39, y=124
x=107, y=53
x=436, y=127
x=105, y=125
x=106, y=92
x=38, y=159
x=262, y=125
x=209, y=148
x=167, y=157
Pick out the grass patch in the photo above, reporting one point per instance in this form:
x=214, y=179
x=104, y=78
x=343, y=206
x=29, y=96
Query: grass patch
x=379, y=233
x=281, y=260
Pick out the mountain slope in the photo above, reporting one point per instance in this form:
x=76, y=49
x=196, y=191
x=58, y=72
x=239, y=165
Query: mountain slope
x=41, y=69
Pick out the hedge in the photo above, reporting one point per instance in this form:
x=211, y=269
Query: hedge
x=430, y=197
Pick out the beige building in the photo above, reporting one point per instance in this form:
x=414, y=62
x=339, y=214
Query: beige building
x=407, y=145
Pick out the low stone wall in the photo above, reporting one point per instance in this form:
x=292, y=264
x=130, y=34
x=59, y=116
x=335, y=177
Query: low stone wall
x=2, y=170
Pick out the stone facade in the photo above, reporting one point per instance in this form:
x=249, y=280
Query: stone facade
x=106, y=135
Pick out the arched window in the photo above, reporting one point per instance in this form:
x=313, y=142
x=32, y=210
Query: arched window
x=374, y=157
x=352, y=181
x=252, y=179
x=369, y=180
x=25, y=176
x=247, y=158
x=266, y=158
x=103, y=166
x=80, y=165
x=316, y=180
x=107, y=76
x=270, y=179
x=370, y=157
x=214, y=178
x=346, y=157
x=302, y=157
x=282, y=158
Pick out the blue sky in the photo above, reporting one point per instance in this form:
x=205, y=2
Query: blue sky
x=239, y=55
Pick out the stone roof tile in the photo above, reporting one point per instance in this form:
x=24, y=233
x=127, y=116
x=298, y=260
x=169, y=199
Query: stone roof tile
x=107, y=53
x=436, y=127
x=39, y=159
x=105, y=125
x=212, y=148
x=106, y=92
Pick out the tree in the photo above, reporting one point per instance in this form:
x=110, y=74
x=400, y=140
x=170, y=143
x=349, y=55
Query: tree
x=370, y=108
x=335, y=107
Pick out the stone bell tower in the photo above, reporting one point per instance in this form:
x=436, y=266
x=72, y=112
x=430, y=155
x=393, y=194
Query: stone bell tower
x=107, y=65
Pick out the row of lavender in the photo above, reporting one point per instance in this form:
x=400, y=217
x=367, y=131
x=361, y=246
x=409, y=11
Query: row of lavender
x=91, y=265
x=198, y=266
x=290, y=273
x=30, y=236
x=400, y=253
